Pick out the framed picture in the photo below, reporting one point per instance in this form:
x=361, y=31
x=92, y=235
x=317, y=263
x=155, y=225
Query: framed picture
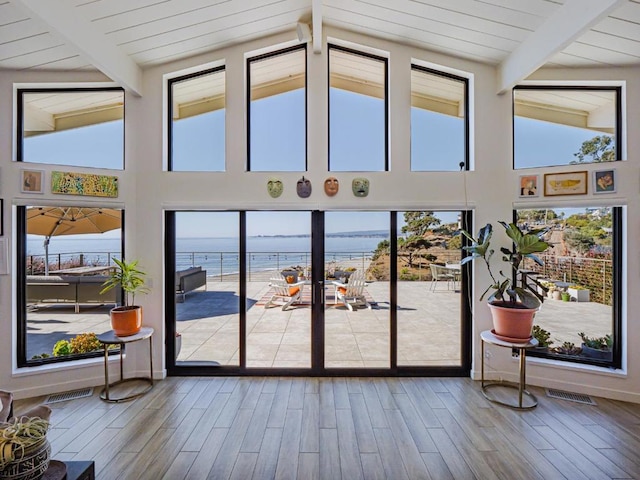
x=604, y=181
x=528, y=185
x=32, y=181
x=569, y=183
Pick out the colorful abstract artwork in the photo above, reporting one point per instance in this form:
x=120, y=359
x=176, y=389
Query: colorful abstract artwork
x=69, y=183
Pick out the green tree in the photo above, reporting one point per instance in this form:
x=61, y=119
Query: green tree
x=417, y=224
x=600, y=148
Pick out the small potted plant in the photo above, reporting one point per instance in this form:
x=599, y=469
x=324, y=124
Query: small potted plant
x=567, y=348
x=126, y=320
x=542, y=336
x=597, y=347
x=512, y=306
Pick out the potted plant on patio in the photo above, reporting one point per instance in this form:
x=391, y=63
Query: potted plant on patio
x=126, y=320
x=514, y=301
x=597, y=347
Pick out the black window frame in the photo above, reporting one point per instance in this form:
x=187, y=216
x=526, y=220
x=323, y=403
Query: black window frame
x=385, y=61
x=465, y=82
x=264, y=56
x=21, y=299
x=618, y=117
x=170, y=83
x=20, y=120
x=617, y=264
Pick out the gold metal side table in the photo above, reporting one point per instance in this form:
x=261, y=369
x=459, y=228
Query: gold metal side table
x=110, y=338
x=526, y=400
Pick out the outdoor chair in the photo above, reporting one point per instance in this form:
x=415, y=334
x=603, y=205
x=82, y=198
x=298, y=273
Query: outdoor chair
x=440, y=273
x=284, y=292
x=352, y=293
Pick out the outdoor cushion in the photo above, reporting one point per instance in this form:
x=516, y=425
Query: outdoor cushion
x=293, y=291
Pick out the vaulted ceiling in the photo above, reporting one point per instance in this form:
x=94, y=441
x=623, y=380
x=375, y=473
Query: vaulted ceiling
x=123, y=37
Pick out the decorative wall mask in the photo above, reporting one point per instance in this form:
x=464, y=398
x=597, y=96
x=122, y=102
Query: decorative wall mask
x=360, y=187
x=275, y=187
x=331, y=186
x=304, y=187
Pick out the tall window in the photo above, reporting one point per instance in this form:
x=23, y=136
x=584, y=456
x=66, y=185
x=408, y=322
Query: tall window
x=197, y=122
x=555, y=125
x=581, y=277
x=65, y=255
x=81, y=127
x=358, y=111
x=438, y=121
x=277, y=113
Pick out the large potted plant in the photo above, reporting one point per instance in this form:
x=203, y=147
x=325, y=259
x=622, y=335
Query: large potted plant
x=126, y=320
x=513, y=301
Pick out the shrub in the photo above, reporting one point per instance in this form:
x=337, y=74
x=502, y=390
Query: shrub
x=84, y=343
x=62, y=347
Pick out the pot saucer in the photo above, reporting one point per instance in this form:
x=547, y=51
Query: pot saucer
x=510, y=339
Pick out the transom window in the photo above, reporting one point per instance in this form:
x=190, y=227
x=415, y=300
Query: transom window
x=557, y=125
x=358, y=111
x=439, y=121
x=197, y=122
x=82, y=127
x=277, y=113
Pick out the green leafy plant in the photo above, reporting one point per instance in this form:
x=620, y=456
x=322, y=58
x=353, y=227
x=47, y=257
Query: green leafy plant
x=127, y=276
x=598, y=343
x=542, y=335
x=525, y=245
x=61, y=347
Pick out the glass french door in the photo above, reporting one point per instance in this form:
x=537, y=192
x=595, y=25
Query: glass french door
x=335, y=292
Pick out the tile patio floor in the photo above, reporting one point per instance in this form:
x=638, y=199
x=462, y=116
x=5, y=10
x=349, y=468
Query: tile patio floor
x=428, y=327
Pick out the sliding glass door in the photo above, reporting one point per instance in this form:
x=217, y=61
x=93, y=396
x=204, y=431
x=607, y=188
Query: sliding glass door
x=338, y=292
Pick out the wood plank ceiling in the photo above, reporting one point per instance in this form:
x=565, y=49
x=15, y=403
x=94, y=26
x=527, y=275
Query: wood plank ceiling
x=123, y=37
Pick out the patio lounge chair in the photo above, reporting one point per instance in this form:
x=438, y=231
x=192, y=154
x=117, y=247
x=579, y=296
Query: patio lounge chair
x=440, y=273
x=352, y=293
x=289, y=293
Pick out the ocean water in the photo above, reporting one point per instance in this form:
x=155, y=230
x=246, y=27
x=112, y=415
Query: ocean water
x=216, y=255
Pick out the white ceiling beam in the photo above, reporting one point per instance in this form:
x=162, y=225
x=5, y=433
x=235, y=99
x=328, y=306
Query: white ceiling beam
x=563, y=27
x=316, y=17
x=64, y=22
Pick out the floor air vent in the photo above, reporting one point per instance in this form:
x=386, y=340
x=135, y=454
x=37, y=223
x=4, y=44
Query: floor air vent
x=573, y=397
x=63, y=397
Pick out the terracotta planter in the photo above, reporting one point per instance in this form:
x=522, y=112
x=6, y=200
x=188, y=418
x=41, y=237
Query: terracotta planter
x=512, y=324
x=126, y=321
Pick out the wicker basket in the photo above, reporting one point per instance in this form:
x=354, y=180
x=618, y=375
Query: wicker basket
x=30, y=464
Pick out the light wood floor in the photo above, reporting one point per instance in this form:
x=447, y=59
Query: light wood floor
x=349, y=428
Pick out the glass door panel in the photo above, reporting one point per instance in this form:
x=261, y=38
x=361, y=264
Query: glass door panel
x=278, y=289
x=429, y=285
x=357, y=300
x=207, y=288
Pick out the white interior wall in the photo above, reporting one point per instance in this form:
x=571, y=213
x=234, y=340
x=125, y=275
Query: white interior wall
x=146, y=190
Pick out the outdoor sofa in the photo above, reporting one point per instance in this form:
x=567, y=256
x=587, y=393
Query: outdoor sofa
x=76, y=289
x=190, y=279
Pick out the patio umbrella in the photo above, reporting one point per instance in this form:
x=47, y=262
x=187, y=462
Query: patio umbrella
x=54, y=221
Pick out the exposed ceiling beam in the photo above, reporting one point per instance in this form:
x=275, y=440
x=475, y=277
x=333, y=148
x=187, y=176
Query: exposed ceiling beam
x=563, y=27
x=64, y=22
x=316, y=17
